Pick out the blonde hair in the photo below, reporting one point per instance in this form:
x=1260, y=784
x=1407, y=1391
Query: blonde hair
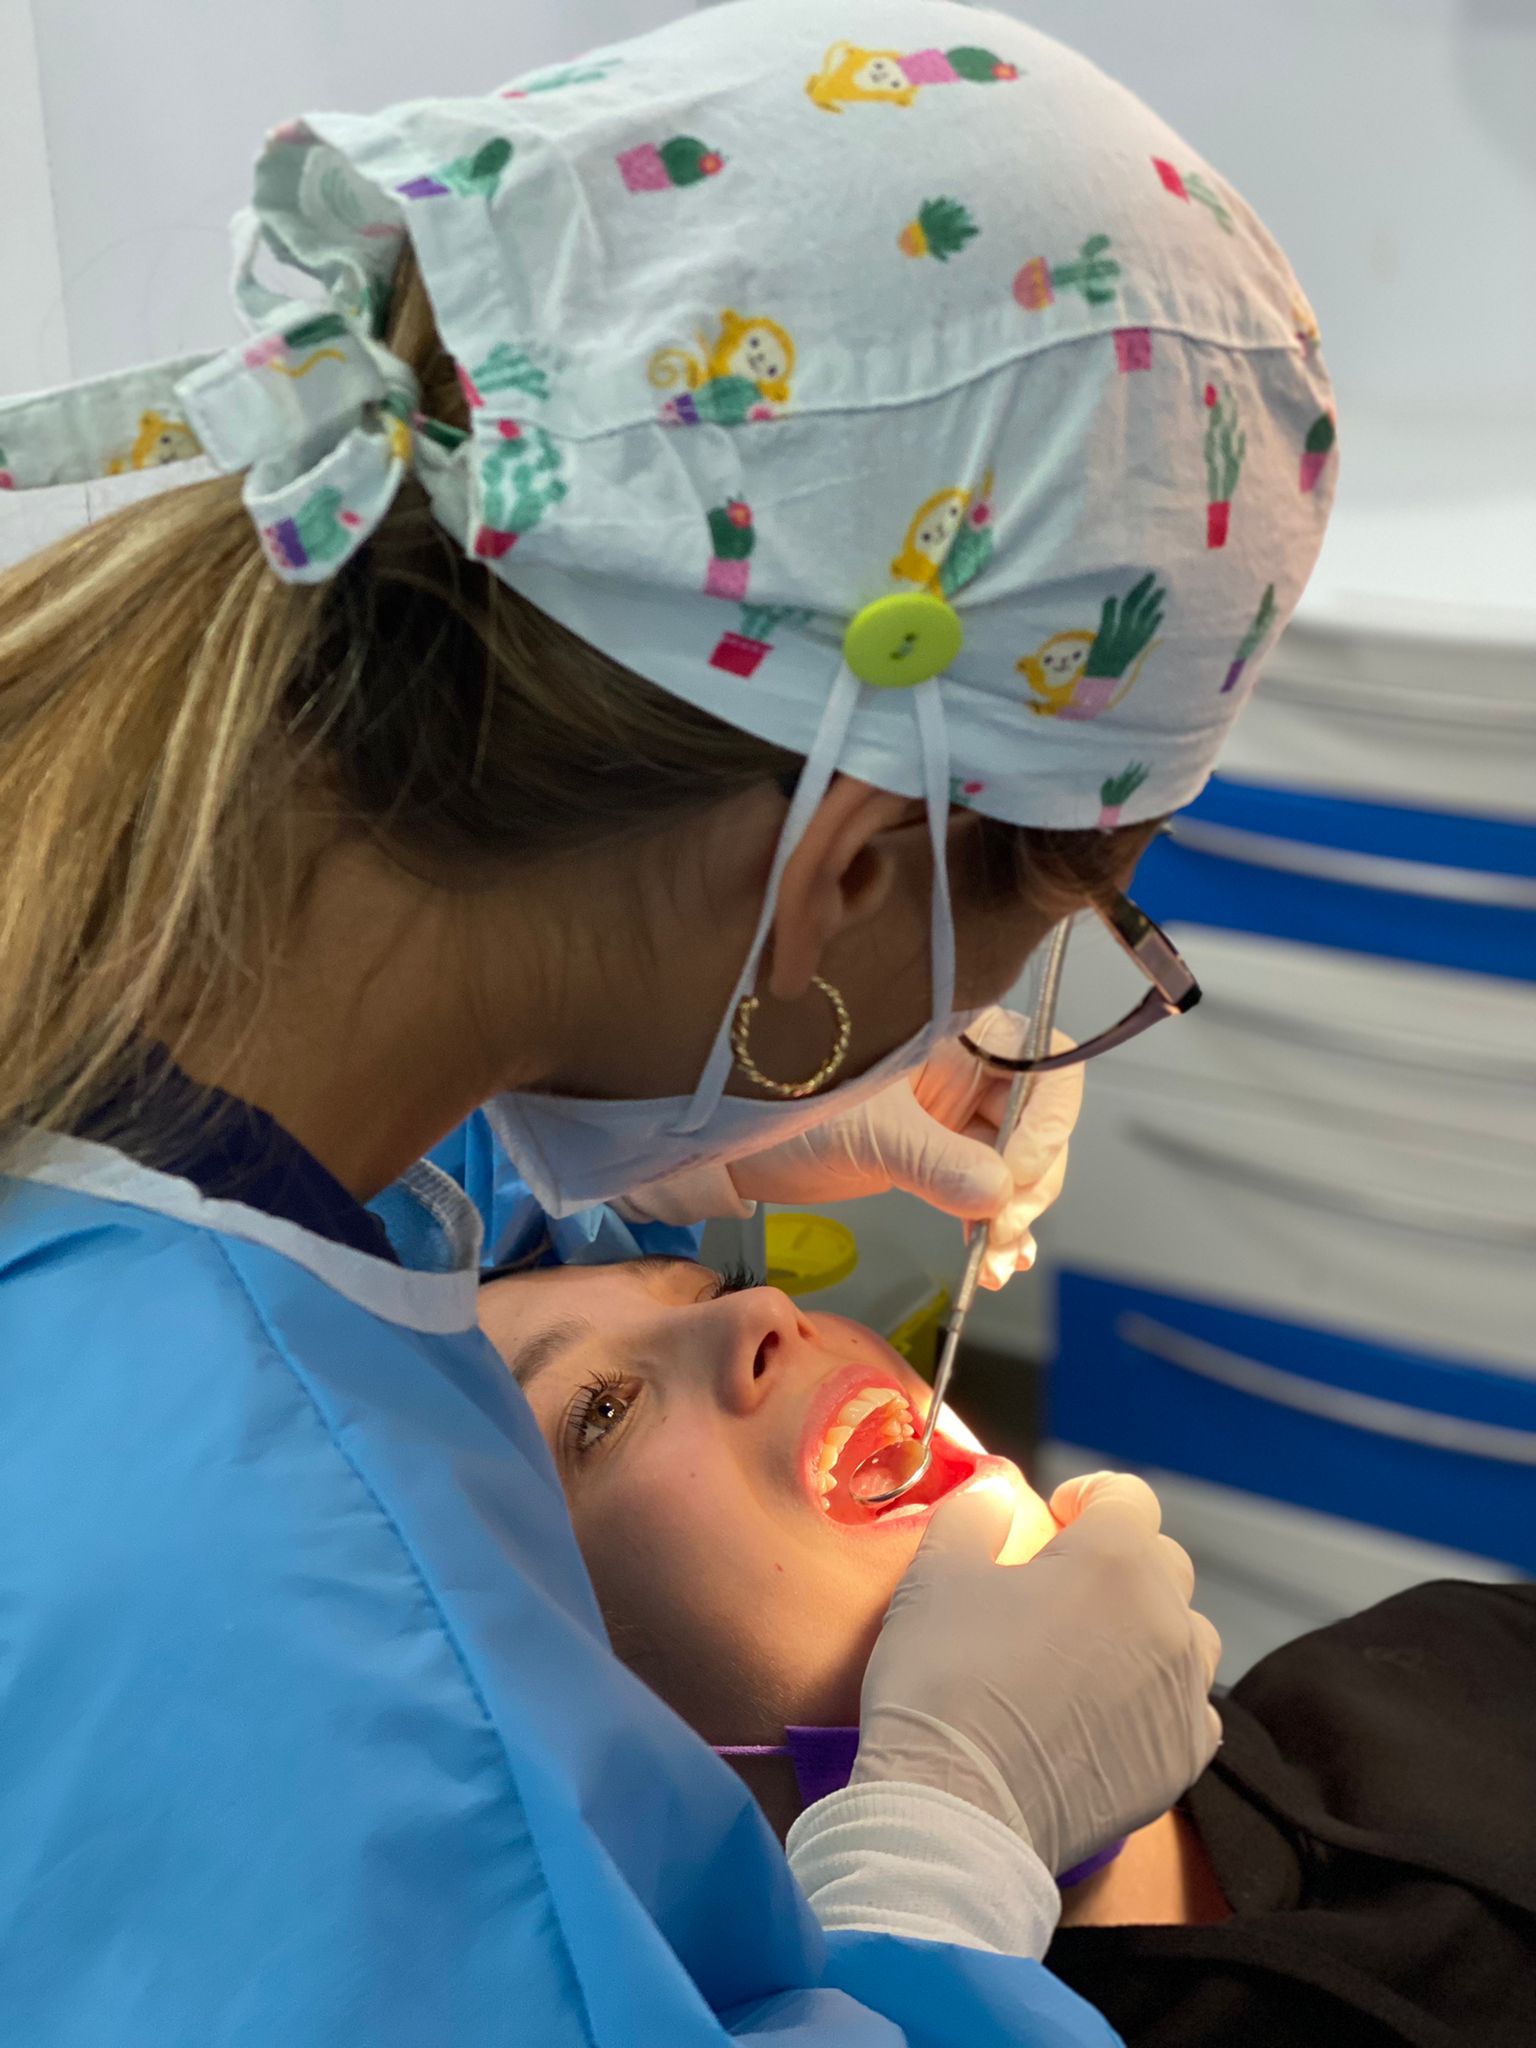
x=174, y=721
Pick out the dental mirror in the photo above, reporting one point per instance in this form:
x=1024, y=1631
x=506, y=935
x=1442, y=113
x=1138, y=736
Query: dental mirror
x=896, y=1468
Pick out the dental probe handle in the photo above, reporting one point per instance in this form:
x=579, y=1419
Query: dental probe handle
x=1018, y=1095
x=952, y=1335
x=1018, y=1101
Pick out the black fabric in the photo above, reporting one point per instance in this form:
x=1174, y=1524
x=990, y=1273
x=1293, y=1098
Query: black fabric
x=1371, y=1817
x=230, y=1151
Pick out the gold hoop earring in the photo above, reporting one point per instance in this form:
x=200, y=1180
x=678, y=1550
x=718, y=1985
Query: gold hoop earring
x=741, y=1028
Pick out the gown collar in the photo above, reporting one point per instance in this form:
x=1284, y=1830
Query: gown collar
x=431, y=1282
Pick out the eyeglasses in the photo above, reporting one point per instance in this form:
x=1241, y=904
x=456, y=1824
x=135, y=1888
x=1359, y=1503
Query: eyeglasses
x=1000, y=1042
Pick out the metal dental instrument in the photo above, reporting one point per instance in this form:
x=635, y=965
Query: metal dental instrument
x=896, y=1468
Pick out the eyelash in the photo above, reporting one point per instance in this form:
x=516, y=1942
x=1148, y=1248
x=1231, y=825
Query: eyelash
x=733, y=1279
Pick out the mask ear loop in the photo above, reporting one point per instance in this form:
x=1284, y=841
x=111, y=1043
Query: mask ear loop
x=934, y=735
x=815, y=778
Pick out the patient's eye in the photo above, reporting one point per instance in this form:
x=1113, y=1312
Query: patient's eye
x=600, y=1408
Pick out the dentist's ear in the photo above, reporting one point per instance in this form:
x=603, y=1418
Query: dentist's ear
x=840, y=875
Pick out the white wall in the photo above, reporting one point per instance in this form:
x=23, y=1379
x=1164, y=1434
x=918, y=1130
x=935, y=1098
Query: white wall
x=34, y=350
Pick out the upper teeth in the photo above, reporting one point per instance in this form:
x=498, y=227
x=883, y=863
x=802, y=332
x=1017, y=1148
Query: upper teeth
x=897, y=1422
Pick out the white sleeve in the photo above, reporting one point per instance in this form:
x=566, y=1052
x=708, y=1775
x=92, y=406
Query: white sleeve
x=913, y=1861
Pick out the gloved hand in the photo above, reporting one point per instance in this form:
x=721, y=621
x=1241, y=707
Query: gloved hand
x=932, y=1132
x=1066, y=1697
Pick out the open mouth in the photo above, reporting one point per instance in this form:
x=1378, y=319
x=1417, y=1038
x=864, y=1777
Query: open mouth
x=866, y=1419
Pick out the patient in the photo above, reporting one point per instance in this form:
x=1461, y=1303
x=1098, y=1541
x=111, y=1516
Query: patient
x=1360, y=1854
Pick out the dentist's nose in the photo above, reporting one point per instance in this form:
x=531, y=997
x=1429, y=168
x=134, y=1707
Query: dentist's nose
x=754, y=1334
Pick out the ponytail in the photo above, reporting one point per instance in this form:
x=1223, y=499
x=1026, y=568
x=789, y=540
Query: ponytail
x=143, y=664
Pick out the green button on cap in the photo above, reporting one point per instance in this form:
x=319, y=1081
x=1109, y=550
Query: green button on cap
x=902, y=639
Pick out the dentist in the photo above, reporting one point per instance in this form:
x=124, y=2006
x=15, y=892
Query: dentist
x=667, y=644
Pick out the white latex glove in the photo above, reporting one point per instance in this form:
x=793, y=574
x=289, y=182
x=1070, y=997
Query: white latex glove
x=1066, y=1697
x=933, y=1132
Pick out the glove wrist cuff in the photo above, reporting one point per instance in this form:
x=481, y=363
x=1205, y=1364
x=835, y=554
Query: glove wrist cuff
x=903, y=1745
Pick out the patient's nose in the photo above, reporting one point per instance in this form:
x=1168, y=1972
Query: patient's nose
x=754, y=1333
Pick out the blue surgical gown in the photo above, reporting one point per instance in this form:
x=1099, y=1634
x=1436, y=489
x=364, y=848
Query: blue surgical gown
x=310, y=1736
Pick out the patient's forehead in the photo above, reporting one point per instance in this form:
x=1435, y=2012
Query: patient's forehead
x=517, y=1306
x=556, y=1289
x=518, y=1310
x=533, y=1290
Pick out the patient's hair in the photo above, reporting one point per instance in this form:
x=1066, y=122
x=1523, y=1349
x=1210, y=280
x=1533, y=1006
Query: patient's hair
x=173, y=717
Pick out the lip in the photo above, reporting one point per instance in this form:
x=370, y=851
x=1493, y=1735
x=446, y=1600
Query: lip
x=824, y=1405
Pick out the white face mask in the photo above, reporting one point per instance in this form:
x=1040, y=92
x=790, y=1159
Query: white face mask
x=572, y=1151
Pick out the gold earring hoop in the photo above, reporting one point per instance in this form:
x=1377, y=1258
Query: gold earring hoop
x=741, y=1029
